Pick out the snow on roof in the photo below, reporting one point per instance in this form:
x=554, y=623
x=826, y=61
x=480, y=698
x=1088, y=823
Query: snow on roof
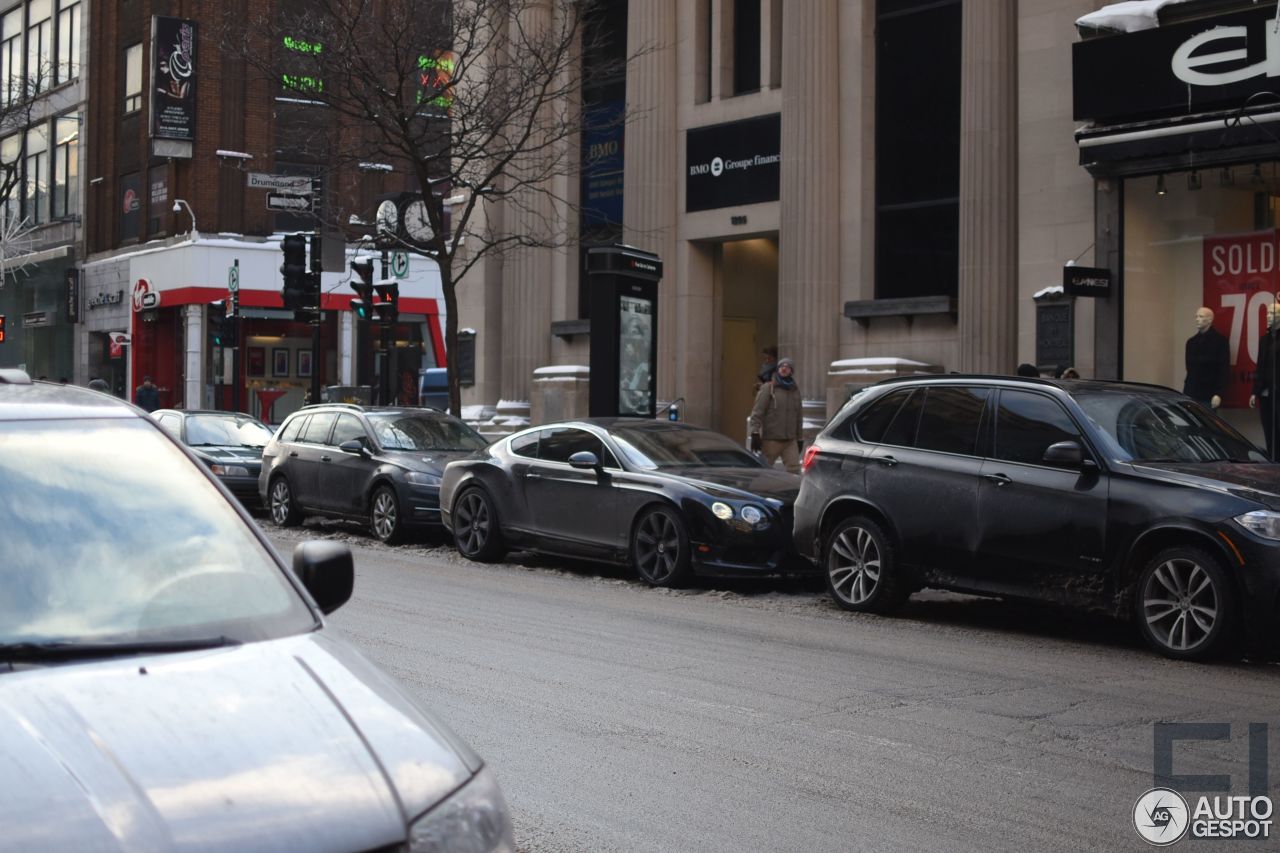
x=1128, y=17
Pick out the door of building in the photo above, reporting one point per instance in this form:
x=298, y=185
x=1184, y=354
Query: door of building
x=739, y=362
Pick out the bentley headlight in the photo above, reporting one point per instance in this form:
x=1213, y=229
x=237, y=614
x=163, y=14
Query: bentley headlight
x=722, y=511
x=752, y=515
x=421, y=478
x=1263, y=522
x=229, y=470
x=473, y=820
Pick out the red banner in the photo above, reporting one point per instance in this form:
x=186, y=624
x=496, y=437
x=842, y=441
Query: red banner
x=1240, y=280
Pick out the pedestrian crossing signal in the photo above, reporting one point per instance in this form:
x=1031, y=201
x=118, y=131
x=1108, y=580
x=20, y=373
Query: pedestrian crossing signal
x=2, y=332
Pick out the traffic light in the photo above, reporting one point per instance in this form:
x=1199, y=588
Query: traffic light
x=294, y=270
x=2, y=332
x=388, y=308
x=362, y=284
x=220, y=325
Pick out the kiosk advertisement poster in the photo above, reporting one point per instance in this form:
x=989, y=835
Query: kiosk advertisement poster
x=634, y=352
x=1239, y=282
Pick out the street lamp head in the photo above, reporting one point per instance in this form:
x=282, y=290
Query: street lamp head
x=177, y=208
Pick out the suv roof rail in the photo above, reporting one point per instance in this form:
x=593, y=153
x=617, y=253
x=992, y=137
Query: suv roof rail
x=14, y=376
x=353, y=406
x=1003, y=377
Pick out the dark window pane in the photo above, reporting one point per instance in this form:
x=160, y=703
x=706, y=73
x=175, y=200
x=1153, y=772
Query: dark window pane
x=902, y=431
x=746, y=46
x=318, y=429
x=951, y=419
x=557, y=445
x=871, y=424
x=1028, y=424
x=525, y=445
x=348, y=427
x=918, y=251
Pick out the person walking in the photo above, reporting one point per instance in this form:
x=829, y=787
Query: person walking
x=776, y=424
x=147, y=396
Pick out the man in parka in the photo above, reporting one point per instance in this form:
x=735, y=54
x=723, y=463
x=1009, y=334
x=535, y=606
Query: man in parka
x=776, y=424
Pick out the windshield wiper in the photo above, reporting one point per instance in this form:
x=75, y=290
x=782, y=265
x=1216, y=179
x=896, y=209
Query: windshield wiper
x=61, y=651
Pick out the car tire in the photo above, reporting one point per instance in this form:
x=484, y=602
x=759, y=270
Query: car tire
x=1185, y=605
x=281, y=505
x=384, y=516
x=860, y=563
x=660, y=549
x=476, y=533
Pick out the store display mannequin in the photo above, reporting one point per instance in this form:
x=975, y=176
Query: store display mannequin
x=1264, y=381
x=1208, y=362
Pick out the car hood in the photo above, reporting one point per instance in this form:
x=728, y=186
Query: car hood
x=229, y=455
x=761, y=482
x=294, y=744
x=1251, y=480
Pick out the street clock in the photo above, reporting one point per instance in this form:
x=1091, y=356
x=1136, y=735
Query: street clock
x=388, y=217
x=417, y=224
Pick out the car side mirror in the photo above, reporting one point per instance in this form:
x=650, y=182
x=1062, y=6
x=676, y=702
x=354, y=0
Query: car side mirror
x=355, y=446
x=1066, y=454
x=584, y=459
x=328, y=572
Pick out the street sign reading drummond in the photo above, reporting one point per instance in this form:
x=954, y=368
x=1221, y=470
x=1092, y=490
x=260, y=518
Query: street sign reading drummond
x=292, y=184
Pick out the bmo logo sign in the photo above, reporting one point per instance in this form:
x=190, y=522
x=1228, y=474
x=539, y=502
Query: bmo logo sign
x=733, y=164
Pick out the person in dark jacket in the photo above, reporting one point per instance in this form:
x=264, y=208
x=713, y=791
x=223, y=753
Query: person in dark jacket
x=776, y=424
x=1264, y=380
x=1208, y=362
x=147, y=396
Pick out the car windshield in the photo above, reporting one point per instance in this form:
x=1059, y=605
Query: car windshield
x=112, y=536
x=226, y=431
x=410, y=431
x=680, y=447
x=1163, y=428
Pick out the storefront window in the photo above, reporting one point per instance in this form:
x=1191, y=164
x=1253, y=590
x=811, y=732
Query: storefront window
x=1202, y=239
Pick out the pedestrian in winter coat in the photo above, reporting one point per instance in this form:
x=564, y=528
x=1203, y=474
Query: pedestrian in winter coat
x=776, y=423
x=147, y=395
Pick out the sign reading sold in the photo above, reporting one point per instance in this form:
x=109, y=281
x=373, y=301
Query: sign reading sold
x=1240, y=280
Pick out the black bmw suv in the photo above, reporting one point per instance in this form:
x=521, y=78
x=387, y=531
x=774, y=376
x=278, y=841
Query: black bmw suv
x=1126, y=498
x=380, y=465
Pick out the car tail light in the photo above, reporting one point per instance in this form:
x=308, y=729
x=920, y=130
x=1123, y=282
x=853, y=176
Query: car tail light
x=810, y=454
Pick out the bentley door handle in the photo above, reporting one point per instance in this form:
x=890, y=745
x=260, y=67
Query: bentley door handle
x=532, y=476
x=887, y=461
x=998, y=479
x=326, y=459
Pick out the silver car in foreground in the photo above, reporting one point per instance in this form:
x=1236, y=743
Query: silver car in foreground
x=166, y=682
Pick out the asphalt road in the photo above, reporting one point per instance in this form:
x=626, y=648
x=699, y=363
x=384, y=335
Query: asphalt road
x=744, y=717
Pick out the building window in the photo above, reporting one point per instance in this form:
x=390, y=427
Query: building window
x=10, y=175
x=39, y=44
x=133, y=78
x=68, y=42
x=36, y=172
x=11, y=54
x=746, y=46
x=917, y=154
x=66, y=165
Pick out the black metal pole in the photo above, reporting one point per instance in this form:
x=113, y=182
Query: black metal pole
x=237, y=329
x=317, y=358
x=385, y=390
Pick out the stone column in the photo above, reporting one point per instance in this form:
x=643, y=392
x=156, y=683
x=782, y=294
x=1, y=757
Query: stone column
x=526, y=272
x=809, y=240
x=988, y=187
x=650, y=163
x=193, y=362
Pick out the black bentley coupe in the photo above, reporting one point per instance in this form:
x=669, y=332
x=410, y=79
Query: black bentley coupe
x=670, y=499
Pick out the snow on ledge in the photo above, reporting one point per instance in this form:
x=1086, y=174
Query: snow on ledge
x=877, y=364
x=570, y=370
x=1052, y=290
x=1127, y=17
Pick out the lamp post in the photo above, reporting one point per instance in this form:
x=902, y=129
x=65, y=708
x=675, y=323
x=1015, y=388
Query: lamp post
x=178, y=204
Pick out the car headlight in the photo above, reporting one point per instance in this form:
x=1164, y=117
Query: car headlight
x=473, y=820
x=420, y=478
x=722, y=511
x=752, y=514
x=1263, y=522
x=229, y=470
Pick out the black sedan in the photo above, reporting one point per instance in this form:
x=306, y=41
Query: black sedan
x=229, y=443
x=670, y=499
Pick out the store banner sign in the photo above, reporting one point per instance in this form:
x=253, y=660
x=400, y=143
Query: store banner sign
x=173, y=78
x=73, y=295
x=733, y=164
x=1240, y=281
x=1181, y=69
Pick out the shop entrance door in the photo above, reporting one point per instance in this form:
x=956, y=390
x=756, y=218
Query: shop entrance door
x=739, y=361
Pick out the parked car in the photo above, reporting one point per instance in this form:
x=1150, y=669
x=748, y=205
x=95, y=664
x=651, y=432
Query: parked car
x=374, y=464
x=166, y=682
x=1127, y=498
x=229, y=443
x=670, y=499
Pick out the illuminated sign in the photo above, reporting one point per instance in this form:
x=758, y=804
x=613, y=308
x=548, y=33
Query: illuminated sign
x=2, y=331
x=435, y=79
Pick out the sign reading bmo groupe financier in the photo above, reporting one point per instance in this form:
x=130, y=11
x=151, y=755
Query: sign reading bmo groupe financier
x=733, y=164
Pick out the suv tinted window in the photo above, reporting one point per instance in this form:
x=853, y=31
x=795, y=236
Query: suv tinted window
x=902, y=430
x=1027, y=424
x=557, y=445
x=348, y=427
x=293, y=428
x=950, y=420
x=525, y=445
x=871, y=424
x=318, y=429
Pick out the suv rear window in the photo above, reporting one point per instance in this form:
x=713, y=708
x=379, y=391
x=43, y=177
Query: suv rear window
x=902, y=431
x=293, y=428
x=870, y=426
x=951, y=419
